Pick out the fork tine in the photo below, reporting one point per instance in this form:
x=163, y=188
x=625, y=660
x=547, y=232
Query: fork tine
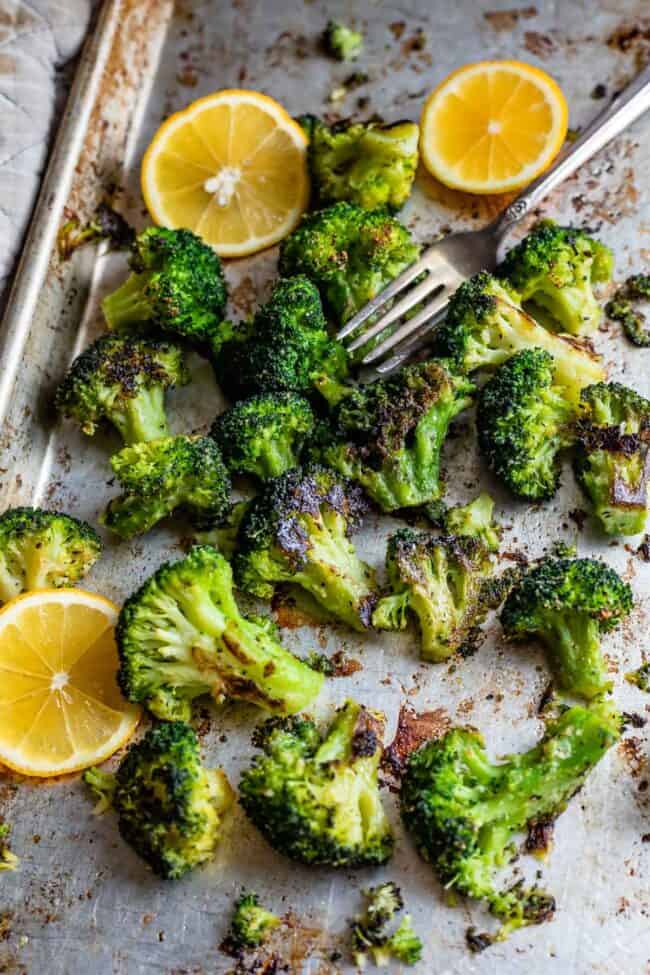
x=433, y=308
x=396, y=285
x=410, y=345
x=422, y=290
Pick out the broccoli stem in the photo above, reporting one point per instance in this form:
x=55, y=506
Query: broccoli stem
x=435, y=610
x=567, y=306
x=129, y=304
x=573, y=642
x=133, y=515
x=141, y=418
x=278, y=456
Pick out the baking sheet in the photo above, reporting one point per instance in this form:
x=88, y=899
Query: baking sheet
x=82, y=901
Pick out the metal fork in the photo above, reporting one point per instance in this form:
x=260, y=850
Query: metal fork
x=447, y=263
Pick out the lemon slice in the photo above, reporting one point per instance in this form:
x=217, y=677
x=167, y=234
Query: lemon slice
x=493, y=126
x=60, y=707
x=231, y=167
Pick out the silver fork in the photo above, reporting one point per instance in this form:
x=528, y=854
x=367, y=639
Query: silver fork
x=447, y=263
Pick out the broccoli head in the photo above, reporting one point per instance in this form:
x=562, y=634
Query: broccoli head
x=612, y=460
x=553, y=269
x=485, y=326
x=473, y=520
x=388, y=435
x=170, y=808
x=464, y=811
x=315, y=798
x=371, y=931
x=122, y=380
x=341, y=42
x=566, y=604
x=251, y=924
x=349, y=253
x=163, y=476
x=298, y=530
x=524, y=420
x=440, y=581
x=365, y=163
x=622, y=309
x=43, y=550
x=182, y=635
x=264, y=435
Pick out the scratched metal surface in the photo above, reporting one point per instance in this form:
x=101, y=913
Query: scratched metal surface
x=82, y=901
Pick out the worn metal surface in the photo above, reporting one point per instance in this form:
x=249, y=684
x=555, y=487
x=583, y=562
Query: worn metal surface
x=82, y=901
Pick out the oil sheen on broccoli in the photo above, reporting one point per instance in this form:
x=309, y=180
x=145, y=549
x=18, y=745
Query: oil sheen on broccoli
x=315, y=797
x=376, y=936
x=182, y=635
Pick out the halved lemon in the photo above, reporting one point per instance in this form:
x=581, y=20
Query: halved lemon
x=491, y=127
x=60, y=707
x=232, y=167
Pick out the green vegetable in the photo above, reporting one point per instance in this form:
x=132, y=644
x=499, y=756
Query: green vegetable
x=251, y=923
x=621, y=308
x=342, y=42
x=373, y=935
x=107, y=224
x=474, y=520
x=640, y=677
x=224, y=536
x=8, y=860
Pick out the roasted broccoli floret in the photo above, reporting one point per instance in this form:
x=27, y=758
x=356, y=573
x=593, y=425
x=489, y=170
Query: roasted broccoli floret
x=440, y=581
x=612, y=460
x=342, y=42
x=388, y=435
x=107, y=224
x=8, y=860
x=525, y=419
x=349, y=254
x=298, y=530
x=170, y=808
x=285, y=348
x=43, y=550
x=176, y=473
x=315, y=798
x=567, y=604
x=224, y=535
x=182, y=635
x=485, y=326
x=373, y=935
x=264, y=435
x=474, y=520
x=251, y=924
x=365, y=163
x=177, y=284
x=464, y=811
x=621, y=308
x=553, y=269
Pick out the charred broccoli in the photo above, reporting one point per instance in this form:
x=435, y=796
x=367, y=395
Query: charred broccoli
x=107, y=224
x=297, y=530
x=567, y=604
x=372, y=935
x=342, y=42
x=182, y=635
x=264, y=435
x=122, y=380
x=177, y=284
x=163, y=476
x=464, y=811
x=553, y=270
x=640, y=677
x=315, y=798
x=251, y=924
x=473, y=520
x=170, y=808
x=43, y=550
x=621, y=309
x=8, y=860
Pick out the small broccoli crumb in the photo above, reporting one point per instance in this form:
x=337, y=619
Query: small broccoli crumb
x=375, y=936
x=341, y=42
x=250, y=925
x=8, y=860
x=640, y=677
x=621, y=309
x=107, y=224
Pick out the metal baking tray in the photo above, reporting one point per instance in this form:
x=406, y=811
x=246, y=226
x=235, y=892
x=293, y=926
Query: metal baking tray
x=82, y=901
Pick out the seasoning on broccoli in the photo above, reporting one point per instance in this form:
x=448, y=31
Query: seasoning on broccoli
x=612, y=460
x=122, y=381
x=640, y=677
x=298, y=530
x=224, y=535
x=177, y=285
x=622, y=309
x=474, y=520
x=350, y=254
x=524, y=420
x=464, y=811
x=375, y=936
x=43, y=550
x=315, y=797
x=107, y=224
x=158, y=478
x=170, y=808
x=182, y=635
x=553, y=269
x=8, y=860
x=566, y=604
x=250, y=925
x=342, y=42
x=264, y=435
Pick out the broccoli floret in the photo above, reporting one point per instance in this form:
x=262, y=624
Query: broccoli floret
x=182, y=635
x=485, y=326
x=285, y=348
x=264, y=435
x=224, y=536
x=440, y=581
x=251, y=924
x=371, y=931
x=177, y=285
x=553, y=269
x=640, y=677
x=464, y=811
x=297, y=530
x=525, y=419
x=43, y=550
x=567, y=604
x=621, y=309
x=163, y=476
x=315, y=798
x=8, y=860
x=107, y=224
x=122, y=380
x=349, y=254
x=170, y=808
x=388, y=435
x=342, y=42
x=473, y=520
x=612, y=460
x=365, y=163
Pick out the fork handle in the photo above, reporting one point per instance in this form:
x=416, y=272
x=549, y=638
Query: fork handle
x=624, y=109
